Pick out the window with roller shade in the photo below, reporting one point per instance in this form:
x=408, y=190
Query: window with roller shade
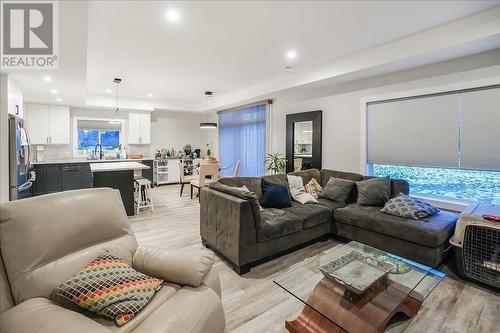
x=445, y=145
x=242, y=137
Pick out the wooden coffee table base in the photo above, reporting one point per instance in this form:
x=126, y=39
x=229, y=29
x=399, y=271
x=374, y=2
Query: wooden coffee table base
x=353, y=313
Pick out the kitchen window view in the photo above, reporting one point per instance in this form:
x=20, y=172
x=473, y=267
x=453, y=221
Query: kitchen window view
x=93, y=133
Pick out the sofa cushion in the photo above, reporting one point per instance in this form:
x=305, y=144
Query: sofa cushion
x=241, y=193
x=338, y=190
x=373, y=192
x=110, y=287
x=275, y=223
x=43, y=316
x=332, y=205
x=326, y=174
x=431, y=231
x=397, y=186
x=307, y=175
x=274, y=195
x=311, y=214
x=252, y=183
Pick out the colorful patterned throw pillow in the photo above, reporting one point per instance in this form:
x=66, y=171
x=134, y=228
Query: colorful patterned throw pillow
x=313, y=188
x=108, y=286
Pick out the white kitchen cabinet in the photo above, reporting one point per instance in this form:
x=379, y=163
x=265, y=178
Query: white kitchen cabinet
x=139, y=128
x=14, y=99
x=59, y=125
x=174, y=174
x=166, y=171
x=48, y=124
x=37, y=122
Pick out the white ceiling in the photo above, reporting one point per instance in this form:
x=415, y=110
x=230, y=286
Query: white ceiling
x=226, y=47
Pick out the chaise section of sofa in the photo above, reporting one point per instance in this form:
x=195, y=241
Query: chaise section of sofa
x=425, y=241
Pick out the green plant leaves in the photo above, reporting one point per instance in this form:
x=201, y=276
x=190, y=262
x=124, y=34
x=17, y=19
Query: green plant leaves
x=276, y=163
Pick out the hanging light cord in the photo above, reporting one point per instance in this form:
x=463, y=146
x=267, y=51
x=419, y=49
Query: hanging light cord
x=117, y=98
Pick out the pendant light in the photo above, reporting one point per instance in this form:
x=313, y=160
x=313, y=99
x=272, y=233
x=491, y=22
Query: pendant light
x=115, y=120
x=208, y=95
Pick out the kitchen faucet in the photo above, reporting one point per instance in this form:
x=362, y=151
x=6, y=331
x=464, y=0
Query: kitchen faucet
x=101, y=154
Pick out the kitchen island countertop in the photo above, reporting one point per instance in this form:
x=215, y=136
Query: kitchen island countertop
x=117, y=166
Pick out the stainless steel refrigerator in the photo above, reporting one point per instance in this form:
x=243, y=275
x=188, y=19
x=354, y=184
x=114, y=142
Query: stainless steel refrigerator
x=20, y=177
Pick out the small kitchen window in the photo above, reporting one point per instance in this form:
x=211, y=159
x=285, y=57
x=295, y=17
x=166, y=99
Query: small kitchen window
x=94, y=132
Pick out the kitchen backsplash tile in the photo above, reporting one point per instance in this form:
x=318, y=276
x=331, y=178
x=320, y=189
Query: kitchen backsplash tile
x=54, y=152
x=64, y=152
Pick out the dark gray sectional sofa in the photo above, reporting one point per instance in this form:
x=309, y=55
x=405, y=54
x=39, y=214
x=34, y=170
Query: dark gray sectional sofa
x=234, y=227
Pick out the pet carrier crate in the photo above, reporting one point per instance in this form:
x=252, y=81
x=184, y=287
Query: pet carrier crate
x=477, y=245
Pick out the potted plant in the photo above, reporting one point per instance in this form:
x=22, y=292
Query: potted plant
x=276, y=163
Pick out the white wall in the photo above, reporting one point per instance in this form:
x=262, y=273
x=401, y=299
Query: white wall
x=176, y=129
x=343, y=146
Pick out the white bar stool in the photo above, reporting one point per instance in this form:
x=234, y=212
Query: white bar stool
x=142, y=197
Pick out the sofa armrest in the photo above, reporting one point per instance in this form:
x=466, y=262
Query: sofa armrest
x=227, y=225
x=181, y=267
x=42, y=316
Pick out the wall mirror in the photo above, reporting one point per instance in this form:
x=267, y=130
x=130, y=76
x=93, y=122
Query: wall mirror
x=303, y=140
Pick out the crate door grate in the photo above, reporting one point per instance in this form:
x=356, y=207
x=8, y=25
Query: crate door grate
x=481, y=252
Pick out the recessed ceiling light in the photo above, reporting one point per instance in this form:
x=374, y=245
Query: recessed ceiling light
x=173, y=16
x=286, y=68
x=53, y=91
x=150, y=95
x=109, y=91
x=47, y=79
x=291, y=54
x=59, y=99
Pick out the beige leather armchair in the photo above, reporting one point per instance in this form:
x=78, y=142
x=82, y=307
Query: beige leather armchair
x=45, y=240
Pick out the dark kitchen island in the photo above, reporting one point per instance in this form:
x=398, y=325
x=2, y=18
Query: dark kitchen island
x=120, y=176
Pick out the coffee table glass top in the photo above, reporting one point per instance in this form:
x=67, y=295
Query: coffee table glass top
x=414, y=280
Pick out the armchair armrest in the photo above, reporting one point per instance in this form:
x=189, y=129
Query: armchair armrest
x=181, y=267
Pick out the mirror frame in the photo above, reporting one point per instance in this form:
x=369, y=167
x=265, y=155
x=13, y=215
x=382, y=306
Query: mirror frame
x=316, y=118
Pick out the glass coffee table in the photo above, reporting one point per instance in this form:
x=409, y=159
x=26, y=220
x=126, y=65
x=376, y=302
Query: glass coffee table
x=332, y=305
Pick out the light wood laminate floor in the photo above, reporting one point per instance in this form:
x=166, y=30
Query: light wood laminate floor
x=253, y=303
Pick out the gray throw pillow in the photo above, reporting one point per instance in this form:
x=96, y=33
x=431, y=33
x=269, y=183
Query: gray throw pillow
x=241, y=193
x=374, y=191
x=338, y=190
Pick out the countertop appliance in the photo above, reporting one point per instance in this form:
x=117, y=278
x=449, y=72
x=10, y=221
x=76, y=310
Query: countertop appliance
x=20, y=176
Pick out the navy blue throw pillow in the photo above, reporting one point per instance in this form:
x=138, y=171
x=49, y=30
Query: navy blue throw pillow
x=274, y=196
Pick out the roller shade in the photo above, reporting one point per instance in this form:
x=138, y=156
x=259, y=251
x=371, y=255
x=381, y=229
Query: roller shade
x=415, y=132
x=480, y=130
